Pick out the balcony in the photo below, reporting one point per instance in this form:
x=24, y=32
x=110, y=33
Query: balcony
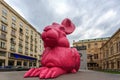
x=21, y=31
x=20, y=45
x=14, y=28
x=26, y=52
x=13, y=35
x=31, y=54
x=31, y=50
x=26, y=47
x=13, y=42
x=4, y=20
x=21, y=38
x=20, y=51
x=35, y=40
x=36, y=51
x=35, y=56
x=3, y=47
x=26, y=41
x=13, y=49
x=3, y=38
x=5, y=31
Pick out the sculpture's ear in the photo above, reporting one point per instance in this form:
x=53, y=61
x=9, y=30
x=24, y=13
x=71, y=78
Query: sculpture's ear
x=68, y=25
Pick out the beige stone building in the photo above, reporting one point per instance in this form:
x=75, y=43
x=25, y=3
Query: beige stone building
x=20, y=42
x=110, y=53
x=92, y=47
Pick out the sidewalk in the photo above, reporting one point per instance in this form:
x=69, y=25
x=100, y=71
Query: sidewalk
x=81, y=75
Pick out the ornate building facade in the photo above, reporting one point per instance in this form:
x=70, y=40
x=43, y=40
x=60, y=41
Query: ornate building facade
x=110, y=53
x=92, y=49
x=20, y=42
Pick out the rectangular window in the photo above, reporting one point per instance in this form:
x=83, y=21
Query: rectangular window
x=19, y=63
x=12, y=40
x=4, y=12
x=2, y=44
x=112, y=65
x=30, y=64
x=95, y=56
x=26, y=45
x=35, y=48
x=20, y=43
x=3, y=27
x=35, y=35
x=20, y=49
x=13, y=32
x=26, y=28
x=31, y=32
x=40, y=41
x=21, y=36
x=31, y=47
x=3, y=36
x=13, y=25
x=13, y=18
x=89, y=45
x=27, y=31
x=118, y=64
x=21, y=25
x=96, y=44
x=21, y=30
x=111, y=50
x=12, y=47
x=25, y=63
x=2, y=53
x=4, y=19
x=119, y=46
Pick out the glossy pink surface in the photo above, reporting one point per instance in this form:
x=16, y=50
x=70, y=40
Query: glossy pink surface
x=58, y=58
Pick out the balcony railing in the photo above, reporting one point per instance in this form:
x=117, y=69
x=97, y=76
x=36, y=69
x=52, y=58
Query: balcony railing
x=3, y=47
x=3, y=30
x=12, y=49
x=14, y=28
x=4, y=21
x=3, y=38
x=20, y=45
x=13, y=42
x=13, y=35
x=21, y=38
x=20, y=51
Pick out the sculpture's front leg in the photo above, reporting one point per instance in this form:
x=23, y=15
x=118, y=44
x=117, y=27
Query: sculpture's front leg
x=44, y=72
x=52, y=73
x=34, y=72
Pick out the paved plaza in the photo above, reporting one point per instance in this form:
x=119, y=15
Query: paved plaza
x=81, y=75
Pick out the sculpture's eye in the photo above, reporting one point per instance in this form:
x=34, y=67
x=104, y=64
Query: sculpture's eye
x=62, y=28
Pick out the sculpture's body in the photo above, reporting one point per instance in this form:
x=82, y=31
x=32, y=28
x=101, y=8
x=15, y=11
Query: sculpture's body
x=58, y=58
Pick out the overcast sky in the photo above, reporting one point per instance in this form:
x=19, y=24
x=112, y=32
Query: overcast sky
x=93, y=18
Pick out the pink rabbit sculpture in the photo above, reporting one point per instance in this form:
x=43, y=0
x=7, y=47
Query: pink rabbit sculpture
x=58, y=58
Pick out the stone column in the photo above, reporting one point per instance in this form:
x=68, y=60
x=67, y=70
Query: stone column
x=115, y=64
x=3, y=64
x=22, y=63
x=6, y=60
x=15, y=63
x=28, y=64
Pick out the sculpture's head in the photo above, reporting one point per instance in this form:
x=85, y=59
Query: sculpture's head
x=55, y=34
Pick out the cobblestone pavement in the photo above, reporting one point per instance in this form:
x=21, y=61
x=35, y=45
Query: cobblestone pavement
x=81, y=75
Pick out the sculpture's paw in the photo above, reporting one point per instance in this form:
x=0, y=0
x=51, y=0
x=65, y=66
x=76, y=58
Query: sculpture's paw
x=51, y=72
x=33, y=72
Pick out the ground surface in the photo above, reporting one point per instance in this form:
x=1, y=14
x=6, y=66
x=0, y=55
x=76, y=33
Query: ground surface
x=81, y=75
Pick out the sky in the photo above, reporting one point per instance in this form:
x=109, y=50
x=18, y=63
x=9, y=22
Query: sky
x=92, y=18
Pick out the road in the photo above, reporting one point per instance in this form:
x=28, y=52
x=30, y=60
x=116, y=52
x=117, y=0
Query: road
x=81, y=75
